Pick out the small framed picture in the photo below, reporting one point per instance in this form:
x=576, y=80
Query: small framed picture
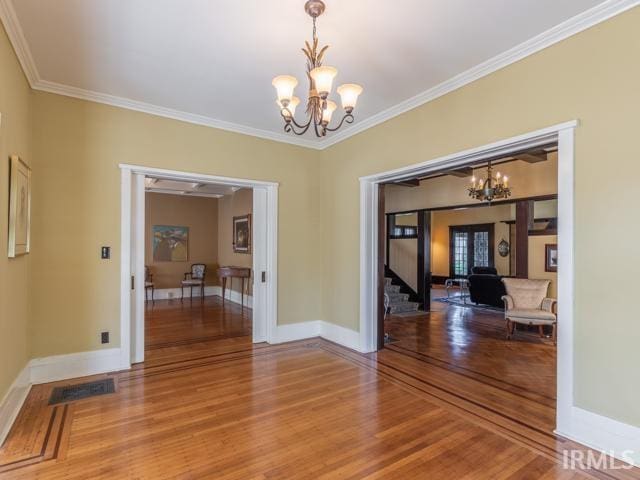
x=19, y=207
x=551, y=257
x=242, y=234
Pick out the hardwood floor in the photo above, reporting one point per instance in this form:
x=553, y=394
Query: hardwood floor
x=466, y=350
x=172, y=322
x=225, y=408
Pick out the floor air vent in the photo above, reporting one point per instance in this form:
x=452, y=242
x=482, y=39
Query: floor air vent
x=82, y=390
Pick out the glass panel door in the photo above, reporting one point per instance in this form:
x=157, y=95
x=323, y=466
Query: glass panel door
x=460, y=253
x=469, y=246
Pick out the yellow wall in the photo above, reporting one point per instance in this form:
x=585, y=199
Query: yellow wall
x=537, y=261
x=238, y=204
x=200, y=214
x=78, y=146
x=403, y=260
x=14, y=272
x=593, y=76
x=441, y=220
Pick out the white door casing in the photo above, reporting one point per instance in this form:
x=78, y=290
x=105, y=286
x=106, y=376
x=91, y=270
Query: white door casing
x=132, y=304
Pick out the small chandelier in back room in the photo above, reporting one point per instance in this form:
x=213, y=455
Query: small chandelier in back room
x=491, y=188
x=319, y=108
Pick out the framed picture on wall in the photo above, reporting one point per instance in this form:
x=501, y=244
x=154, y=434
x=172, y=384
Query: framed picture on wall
x=242, y=234
x=551, y=257
x=170, y=243
x=19, y=207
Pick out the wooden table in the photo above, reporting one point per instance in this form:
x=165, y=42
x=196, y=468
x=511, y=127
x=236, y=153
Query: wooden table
x=230, y=272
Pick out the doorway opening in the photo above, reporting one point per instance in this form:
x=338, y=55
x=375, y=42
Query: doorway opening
x=374, y=275
x=198, y=259
x=198, y=262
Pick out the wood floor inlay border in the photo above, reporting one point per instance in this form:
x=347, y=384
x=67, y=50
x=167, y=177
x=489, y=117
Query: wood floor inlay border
x=439, y=363
x=58, y=428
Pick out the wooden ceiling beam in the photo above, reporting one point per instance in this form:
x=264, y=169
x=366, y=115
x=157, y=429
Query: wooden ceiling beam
x=411, y=182
x=532, y=157
x=460, y=172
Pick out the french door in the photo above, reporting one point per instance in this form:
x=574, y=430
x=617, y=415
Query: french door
x=469, y=246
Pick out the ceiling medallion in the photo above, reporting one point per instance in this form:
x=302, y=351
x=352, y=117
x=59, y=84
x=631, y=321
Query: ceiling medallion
x=319, y=107
x=490, y=189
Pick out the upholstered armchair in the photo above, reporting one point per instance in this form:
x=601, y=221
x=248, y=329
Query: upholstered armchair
x=148, y=284
x=194, y=278
x=526, y=302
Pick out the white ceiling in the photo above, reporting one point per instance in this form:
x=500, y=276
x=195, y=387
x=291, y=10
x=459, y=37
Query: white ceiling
x=212, y=61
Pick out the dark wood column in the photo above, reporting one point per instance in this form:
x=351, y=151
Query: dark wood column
x=524, y=222
x=391, y=224
x=424, y=259
x=381, y=245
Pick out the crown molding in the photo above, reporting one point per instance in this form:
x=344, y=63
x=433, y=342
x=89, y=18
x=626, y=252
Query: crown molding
x=572, y=26
x=568, y=28
x=129, y=104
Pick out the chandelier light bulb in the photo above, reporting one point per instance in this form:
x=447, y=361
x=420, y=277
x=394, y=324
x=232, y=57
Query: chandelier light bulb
x=291, y=107
x=349, y=93
x=473, y=180
x=505, y=181
x=323, y=79
x=285, y=84
x=328, y=112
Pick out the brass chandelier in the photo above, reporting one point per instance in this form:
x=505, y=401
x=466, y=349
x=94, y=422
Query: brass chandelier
x=319, y=108
x=491, y=188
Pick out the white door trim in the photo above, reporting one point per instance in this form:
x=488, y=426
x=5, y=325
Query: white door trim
x=265, y=228
x=564, y=135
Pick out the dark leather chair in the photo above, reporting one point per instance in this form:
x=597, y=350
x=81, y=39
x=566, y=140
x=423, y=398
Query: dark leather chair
x=486, y=287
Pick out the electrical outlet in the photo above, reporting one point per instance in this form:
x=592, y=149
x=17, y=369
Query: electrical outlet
x=104, y=337
x=105, y=253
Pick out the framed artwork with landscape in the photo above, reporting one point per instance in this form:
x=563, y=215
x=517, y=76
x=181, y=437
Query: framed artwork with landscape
x=242, y=234
x=170, y=243
x=551, y=257
x=19, y=207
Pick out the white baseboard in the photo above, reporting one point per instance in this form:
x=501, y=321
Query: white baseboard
x=174, y=293
x=82, y=364
x=317, y=328
x=236, y=297
x=12, y=402
x=209, y=291
x=341, y=335
x=295, y=331
x=620, y=440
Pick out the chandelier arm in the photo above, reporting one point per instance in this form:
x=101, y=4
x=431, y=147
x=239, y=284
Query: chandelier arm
x=290, y=122
x=289, y=127
x=348, y=118
x=315, y=127
x=305, y=126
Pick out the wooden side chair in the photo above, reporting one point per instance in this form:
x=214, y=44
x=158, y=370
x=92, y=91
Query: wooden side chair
x=194, y=278
x=148, y=284
x=526, y=302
